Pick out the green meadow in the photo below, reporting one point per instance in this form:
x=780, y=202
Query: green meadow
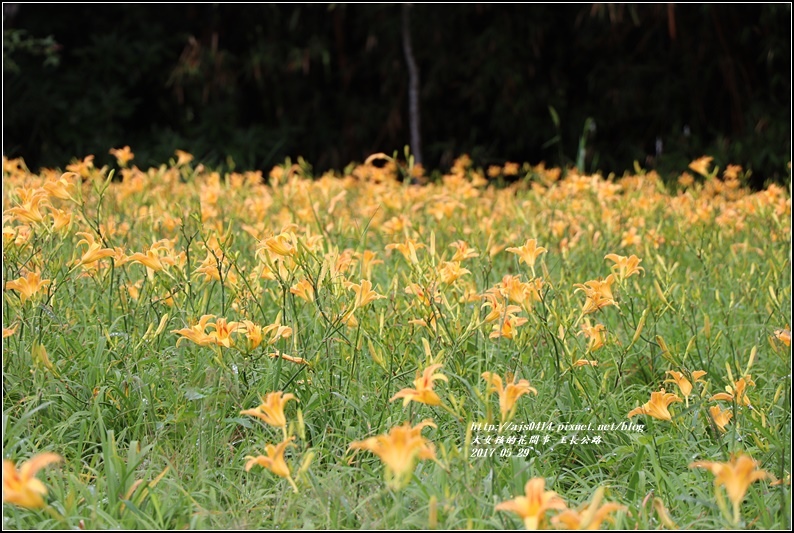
x=383, y=347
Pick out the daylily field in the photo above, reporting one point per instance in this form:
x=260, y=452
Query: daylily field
x=502, y=347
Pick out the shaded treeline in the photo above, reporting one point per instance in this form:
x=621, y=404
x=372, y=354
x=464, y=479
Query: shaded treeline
x=660, y=84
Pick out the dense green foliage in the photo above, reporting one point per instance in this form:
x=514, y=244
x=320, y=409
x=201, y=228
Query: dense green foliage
x=261, y=82
x=646, y=328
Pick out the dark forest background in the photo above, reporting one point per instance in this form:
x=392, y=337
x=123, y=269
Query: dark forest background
x=661, y=84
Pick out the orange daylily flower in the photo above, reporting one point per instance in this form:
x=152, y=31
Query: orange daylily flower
x=271, y=410
x=595, y=334
x=683, y=383
x=29, y=211
x=533, y=505
x=528, y=253
x=598, y=293
x=408, y=249
x=150, y=260
x=274, y=461
x=399, y=450
x=449, y=272
x=625, y=266
x=630, y=238
x=122, y=155
x=495, y=300
x=701, y=165
x=253, y=333
x=223, y=331
x=737, y=393
x=303, y=289
x=60, y=219
x=62, y=188
x=423, y=393
x=95, y=251
x=589, y=517
x=462, y=251
x=784, y=335
x=196, y=333
x=507, y=327
x=7, y=332
x=27, y=286
x=657, y=407
x=282, y=245
x=736, y=476
x=20, y=487
x=507, y=395
x=364, y=293
x=279, y=332
x=183, y=158
x=721, y=418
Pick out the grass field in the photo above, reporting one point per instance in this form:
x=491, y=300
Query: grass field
x=492, y=348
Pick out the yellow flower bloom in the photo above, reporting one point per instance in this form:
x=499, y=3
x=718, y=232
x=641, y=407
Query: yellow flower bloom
x=399, y=450
x=408, y=249
x=253, y=333
x=495, y=300
x=61, y=219
x=701, y=165
x=222, y=336
x=625, y=266
x=423, y=393
x=507, y=395
x=7, y=332
x=450, y=271
x=209, y=267
x=122, y=155
x=462, y=251
x=279, y=332
x=588, y=517
x=630, y=238
x=784, y=335
x=507, y=327
x=20, y=487
x=683, y=383
x=62, y=188
x=598, y=293
x=196, y=333
x=303, y=289
x=528, y=253
x=721, y=418
x=282, y=245
x=274, y=461
x=657, y=407
x=364, y=293
x=533, y=505
x=510, y=169
x=27, y=286
x=737, y=393
x=183, y=157
x=150, y=260
x=29, y=211
x=95, y=251
x=271, y=411
x=686, y=179
x=736, y=476
x=595, y=334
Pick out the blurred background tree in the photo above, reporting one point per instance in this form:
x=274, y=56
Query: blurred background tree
x=248, y=85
